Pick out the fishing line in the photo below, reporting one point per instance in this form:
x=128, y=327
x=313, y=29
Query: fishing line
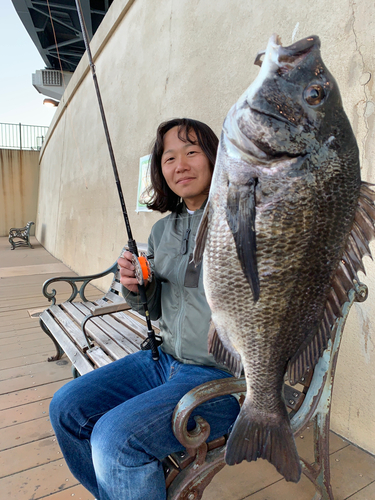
x=71, y=122
x=152, y=342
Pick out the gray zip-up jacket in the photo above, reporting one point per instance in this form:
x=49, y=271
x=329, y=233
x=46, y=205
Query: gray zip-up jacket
x=176, y=296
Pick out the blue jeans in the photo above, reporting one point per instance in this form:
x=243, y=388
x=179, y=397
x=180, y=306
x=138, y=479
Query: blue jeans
x=114, y=424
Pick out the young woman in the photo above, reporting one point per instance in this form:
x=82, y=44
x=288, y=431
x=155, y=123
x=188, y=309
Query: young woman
x=114, y=424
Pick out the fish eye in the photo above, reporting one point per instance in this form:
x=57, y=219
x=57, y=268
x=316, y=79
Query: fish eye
x=314, y=94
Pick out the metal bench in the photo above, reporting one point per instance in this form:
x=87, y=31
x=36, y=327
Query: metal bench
x=20, y=233
x=94, y=333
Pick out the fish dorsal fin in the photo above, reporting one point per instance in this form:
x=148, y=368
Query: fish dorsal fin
x=223, y=351
x=201, y=237
x=357, y=246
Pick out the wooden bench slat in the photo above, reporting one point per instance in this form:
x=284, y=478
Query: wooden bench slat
x=75, y=356
x=113, y=297
x=98, y=356
x=155, y=323
x=112, y=321
x=74, y=332
x=116, y=286
x=117, y=332
x=102, y=303
x=106, y=343
x=131, y=320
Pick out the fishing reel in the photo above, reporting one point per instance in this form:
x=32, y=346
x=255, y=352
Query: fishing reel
x=143, y=272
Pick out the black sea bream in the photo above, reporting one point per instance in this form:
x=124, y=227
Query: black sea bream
x=285, y=228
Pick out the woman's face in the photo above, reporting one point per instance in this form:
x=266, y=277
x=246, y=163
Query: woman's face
x=186, y=169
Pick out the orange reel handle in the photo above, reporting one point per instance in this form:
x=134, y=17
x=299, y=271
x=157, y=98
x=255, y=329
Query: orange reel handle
x=145, y=267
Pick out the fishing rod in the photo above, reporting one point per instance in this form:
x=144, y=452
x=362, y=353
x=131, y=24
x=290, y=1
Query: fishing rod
x=141, y=265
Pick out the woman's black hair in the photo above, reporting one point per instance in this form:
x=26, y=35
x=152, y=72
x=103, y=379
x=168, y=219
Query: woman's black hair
x=163, y=199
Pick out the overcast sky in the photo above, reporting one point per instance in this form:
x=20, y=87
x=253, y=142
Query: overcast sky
x=20, y=102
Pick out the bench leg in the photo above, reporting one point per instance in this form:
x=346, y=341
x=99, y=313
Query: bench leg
x=192, y=481
x=321, y=450
x=59, y=350
x=75, y=372
x=320, y=473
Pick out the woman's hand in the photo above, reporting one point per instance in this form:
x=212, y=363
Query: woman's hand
x=127, y=274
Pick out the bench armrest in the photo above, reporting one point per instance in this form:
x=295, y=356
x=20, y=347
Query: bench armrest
x=27, y=227
x=204, y=392
x=109, y=309
x=73, y=281
x=102, y=311
x=85, y=280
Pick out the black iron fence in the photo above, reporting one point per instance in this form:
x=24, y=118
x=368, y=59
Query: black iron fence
x=18, y=136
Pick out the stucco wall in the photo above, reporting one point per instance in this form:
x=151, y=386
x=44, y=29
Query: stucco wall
x=19, y=180
x=158, y=60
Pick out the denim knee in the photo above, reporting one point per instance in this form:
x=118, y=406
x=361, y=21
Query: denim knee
x=122, y=468
x=109, y=445
x=67, y=411
x=57, y=407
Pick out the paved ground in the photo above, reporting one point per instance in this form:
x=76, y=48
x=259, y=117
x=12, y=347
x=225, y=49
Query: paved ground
x=31, y=465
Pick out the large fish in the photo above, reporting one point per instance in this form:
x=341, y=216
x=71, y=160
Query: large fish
x=284, y=231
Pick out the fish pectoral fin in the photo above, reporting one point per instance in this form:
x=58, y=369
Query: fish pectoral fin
x=201, y=237
x=241, y=220
x=257, y=435
x=357, y=246
x=223, y=351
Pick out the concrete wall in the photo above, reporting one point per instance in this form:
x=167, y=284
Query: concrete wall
x=158, y=60
x=19, y=180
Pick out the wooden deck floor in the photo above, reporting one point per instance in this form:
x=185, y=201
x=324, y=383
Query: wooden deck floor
x=31, y=464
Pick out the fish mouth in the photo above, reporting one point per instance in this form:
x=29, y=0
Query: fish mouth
x=287, y=57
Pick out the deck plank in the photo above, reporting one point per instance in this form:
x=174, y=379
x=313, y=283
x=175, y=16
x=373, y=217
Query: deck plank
x=31, y=358
x=38, y=375
x=31, y=335
x=15, y=399
x=26, y=348
x=37, y=482
x=44, y=367
x=29, y=455
x=76, y=493
x=367, y=493
x=24, y=413
x=26, y=432
x=351, y=470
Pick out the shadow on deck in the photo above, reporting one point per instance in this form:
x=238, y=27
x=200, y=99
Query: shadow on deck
x=31, y=464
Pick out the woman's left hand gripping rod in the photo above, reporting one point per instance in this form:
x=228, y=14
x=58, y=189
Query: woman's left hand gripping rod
x=143, y=274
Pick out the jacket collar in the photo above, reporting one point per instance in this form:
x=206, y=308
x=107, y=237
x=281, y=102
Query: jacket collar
x=182, y=208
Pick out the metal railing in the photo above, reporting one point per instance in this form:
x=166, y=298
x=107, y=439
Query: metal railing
x=18, y=136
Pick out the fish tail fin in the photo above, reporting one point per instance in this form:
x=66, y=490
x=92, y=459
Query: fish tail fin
x=256, y=435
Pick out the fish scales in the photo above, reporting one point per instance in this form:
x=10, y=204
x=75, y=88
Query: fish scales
x=277, y=239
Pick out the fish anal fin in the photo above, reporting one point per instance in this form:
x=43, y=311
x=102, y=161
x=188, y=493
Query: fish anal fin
x=201, y=237
x=257, y=435
x=357, y=247
x=241, y=220
x=223, y=351
x=308, y=354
